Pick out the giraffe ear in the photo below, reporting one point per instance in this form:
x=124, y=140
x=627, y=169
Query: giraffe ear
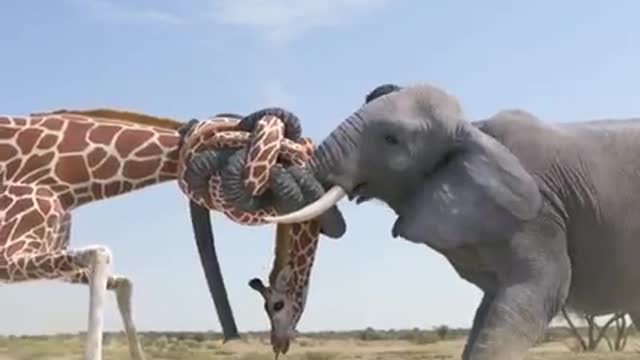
x=283, y=278
x=257, y=285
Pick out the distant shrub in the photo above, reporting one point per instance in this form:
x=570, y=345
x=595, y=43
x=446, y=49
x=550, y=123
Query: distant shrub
x=419, y=337
x=370, y=334
x=146, y=341
x=442, y=331
x=199, y=337
x=190, y=343
x=112, y=338
x=161, y=341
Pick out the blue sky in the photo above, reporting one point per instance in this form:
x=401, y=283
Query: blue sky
x=564, y=61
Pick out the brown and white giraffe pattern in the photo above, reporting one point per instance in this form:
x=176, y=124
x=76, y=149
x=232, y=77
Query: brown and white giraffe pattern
x=267, y=145
x=53, y=163
x=302, y=254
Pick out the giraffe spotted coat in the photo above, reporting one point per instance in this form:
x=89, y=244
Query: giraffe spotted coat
x=53, y=163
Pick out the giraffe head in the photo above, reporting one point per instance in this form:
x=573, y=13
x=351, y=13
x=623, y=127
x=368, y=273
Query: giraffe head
x=282, y=307
x=286, y=295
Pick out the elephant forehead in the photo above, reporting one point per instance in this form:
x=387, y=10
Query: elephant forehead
x=389, y=112
x=430, y=99
x=418, y=102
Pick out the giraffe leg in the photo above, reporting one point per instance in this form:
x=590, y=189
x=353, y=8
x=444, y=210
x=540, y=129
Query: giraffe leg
x=123, y=287
x=61, y=264
x=34, y=235
x=99, y=259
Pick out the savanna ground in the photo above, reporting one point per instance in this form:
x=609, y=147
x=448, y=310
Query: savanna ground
x=368, y=344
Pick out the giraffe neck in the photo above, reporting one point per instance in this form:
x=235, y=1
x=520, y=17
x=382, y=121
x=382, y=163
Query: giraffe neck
x=85, y=158
x=301, y=258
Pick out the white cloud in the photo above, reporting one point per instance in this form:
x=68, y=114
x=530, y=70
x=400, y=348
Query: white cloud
x=282, y=20
x=278, y=21
x=108, y=10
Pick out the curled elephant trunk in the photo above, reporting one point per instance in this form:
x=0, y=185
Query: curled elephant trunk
x=333, y=156
x=290, y=188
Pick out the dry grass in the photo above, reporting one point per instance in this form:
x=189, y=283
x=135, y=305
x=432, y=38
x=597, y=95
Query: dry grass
x=171, y=347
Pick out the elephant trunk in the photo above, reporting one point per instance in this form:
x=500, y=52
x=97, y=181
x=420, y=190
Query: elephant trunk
x=209, y=259
x=336, y=148
x=333, y=165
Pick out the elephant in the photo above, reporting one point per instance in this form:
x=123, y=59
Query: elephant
x=536, y=215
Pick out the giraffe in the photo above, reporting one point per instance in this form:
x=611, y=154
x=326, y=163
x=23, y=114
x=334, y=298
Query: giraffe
x=52, y=163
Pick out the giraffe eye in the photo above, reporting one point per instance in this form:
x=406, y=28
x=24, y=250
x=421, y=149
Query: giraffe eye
x=278, y=305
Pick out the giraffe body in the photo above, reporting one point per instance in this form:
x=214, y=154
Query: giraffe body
x=83, y=159
x=55, y=162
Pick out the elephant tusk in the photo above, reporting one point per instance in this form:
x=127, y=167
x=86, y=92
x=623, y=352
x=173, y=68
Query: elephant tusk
x=313, y=210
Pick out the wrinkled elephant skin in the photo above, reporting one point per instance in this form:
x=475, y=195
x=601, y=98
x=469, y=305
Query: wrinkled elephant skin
x=536, y=215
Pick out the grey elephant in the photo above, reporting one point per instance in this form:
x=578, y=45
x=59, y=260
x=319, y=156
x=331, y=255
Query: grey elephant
x=536, y=215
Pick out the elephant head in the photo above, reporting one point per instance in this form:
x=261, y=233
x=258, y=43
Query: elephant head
x=414, y=143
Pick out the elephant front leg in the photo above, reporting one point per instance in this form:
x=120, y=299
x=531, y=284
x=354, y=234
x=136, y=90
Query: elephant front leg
x=487, y=282
x=515, y=319
x=478, y=322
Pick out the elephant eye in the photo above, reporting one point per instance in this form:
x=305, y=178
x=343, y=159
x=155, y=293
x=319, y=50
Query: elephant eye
x=278, y=305
x=391, y=139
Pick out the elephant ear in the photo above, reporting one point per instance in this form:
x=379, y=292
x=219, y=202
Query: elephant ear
x=480, y=193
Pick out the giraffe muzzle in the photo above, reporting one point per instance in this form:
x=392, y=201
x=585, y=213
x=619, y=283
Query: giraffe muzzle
x=280, y=344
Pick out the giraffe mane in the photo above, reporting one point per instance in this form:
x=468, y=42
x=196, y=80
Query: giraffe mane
x=120, y=115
